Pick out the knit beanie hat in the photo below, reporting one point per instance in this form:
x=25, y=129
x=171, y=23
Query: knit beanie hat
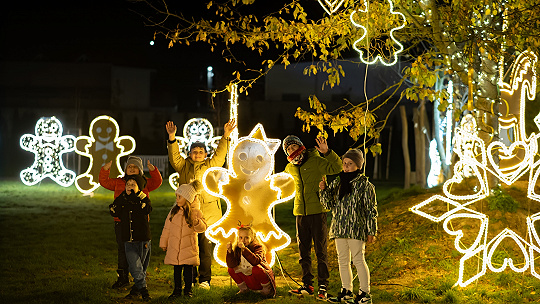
x=189, y=191
x=289, y=140
x=139, y=179
x=356, y=156
x=198, y=144
x=137, y=161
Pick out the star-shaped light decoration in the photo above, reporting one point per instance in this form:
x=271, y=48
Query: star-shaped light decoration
x=195, y=130
x=362, y=16
x=477, y=162
x=331, y=6
x=251, y=191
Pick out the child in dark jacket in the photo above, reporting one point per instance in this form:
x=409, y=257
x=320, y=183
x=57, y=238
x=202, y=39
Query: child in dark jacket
x=134, y=166
x=132, y=206
x=247, y=264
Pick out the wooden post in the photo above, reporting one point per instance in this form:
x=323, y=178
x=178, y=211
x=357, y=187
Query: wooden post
x=405, y=146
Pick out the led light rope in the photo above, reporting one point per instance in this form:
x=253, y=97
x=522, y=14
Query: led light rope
x=48, y=144
x=251, y=191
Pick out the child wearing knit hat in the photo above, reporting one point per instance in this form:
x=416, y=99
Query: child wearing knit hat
x=132, y=207
x=352, y=200
x=133, y=167
x=179, y=236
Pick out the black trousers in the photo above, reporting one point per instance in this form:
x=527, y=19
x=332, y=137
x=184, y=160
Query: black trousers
x=206, y=247
x=188, y=277
x=122, y=260
x=310, y=228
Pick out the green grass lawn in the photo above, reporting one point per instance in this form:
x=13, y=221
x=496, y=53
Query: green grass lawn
x=58, y=246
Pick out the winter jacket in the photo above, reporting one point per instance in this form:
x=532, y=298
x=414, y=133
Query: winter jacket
x=307, y=177
x=133, y=210
x=119, y=184
x=255, y=255
x=355, y=215
x=180, y=240
x=189, y=170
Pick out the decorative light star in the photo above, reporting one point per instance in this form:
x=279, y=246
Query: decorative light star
x=195, y=130
x=48, y=145
x=102, y=146
x=330, y=6
x=250, y=191
x=516, y=157
x=391, y=49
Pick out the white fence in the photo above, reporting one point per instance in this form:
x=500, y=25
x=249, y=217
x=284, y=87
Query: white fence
x=160, y=161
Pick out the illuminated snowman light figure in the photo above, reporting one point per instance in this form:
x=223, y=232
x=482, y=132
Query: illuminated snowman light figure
x=195, y=130
x=48, y=145
x=250, y=190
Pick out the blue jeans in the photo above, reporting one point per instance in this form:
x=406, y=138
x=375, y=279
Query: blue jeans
x=138, y=256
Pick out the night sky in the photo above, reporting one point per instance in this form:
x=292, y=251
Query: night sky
x=90, y=31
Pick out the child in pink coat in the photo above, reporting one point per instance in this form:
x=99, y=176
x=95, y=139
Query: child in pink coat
x=179, y=237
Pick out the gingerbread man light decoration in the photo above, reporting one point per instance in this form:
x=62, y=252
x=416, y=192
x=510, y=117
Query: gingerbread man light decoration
x=195, y=130
x=48, y=145
x=250, y=190
x=102, y=146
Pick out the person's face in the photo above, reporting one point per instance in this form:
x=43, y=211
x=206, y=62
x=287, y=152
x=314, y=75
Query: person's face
x=180, y=200
x=292, y=148
x=131, y=185
x=131, y=169
x=349, y=165
x=244, y=237
x=197, y=154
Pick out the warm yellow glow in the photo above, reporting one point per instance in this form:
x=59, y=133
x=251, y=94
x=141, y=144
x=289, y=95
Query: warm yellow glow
x=102, y=146
x=476, y=161
x=48, y=145
x=195, y=130
x=251, y=191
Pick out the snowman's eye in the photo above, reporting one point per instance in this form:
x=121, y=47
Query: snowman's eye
x=259, y=158
x=242, y=156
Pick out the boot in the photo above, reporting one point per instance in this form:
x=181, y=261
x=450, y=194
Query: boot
x=177, y=292
x=123, y=279
x=145, y=295
x=133, y=293
x=267, y=289
x=243, y=288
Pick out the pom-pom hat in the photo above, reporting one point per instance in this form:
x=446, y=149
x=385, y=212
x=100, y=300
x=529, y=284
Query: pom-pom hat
x=137, y=161
x=189, y=191
x=290, y=140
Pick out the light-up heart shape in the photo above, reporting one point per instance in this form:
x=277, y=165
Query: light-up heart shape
x=514, y=161
x=476, y=176
x=330, y=6
x=508, y=262
x=480, y=234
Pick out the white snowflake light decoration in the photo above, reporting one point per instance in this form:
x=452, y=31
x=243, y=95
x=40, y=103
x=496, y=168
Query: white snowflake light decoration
x=517, y=156
x=48, y=145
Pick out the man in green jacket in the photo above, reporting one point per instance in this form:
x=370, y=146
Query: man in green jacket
x=192, y=168
x=308, y=168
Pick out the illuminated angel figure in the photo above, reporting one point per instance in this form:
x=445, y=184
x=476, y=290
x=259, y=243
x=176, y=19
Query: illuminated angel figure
x=250, y=191
x=103, y=145
x=387, y=52
x=195, y=130
x=48, y=145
